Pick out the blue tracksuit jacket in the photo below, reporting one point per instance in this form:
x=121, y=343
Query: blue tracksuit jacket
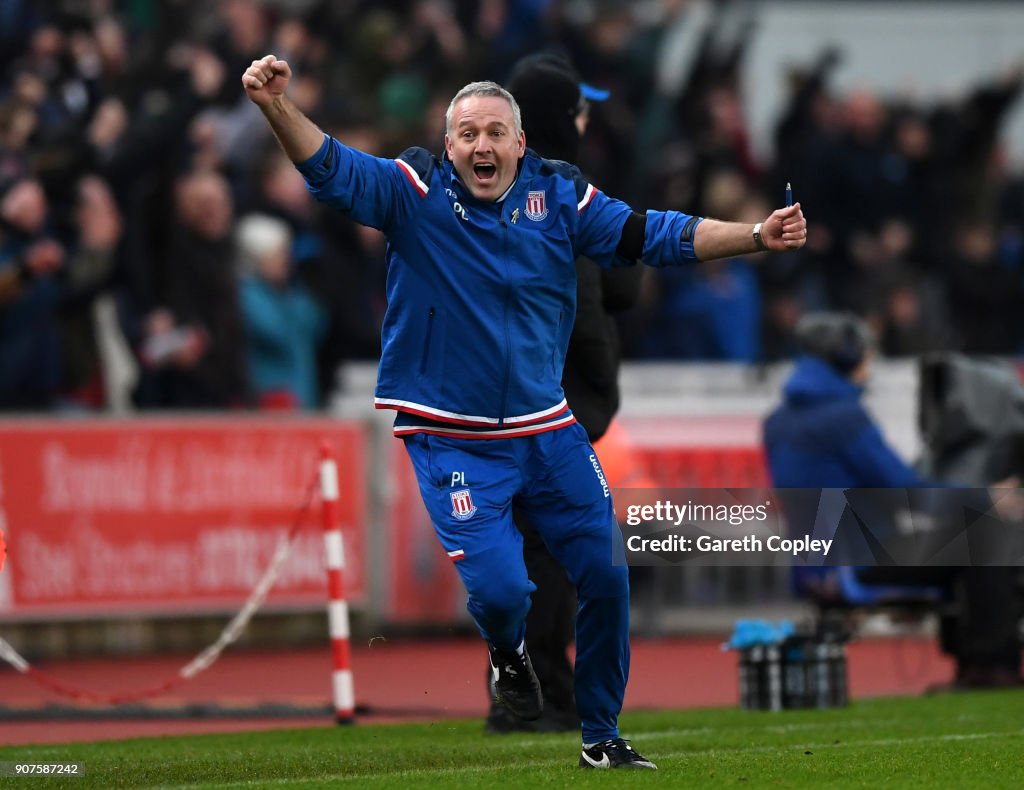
x=481, y=295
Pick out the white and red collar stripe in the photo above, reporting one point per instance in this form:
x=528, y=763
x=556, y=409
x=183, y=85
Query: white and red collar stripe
x=414, y=177
x=587, y=197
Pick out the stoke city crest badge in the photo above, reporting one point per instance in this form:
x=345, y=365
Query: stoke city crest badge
x=536, y=205
x=462, y=504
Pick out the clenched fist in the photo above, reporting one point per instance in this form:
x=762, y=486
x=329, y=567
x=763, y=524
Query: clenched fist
x=784, y=229
x=266, y=80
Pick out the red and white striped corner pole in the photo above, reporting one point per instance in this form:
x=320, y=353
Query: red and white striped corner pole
x=337, y=607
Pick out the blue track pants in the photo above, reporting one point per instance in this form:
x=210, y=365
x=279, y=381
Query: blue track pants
x=468, y=487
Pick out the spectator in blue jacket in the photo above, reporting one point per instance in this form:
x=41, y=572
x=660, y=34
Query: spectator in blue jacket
x=481, y=284
x=822, y=437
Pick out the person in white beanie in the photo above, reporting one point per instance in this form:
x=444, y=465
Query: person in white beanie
x=283, y=321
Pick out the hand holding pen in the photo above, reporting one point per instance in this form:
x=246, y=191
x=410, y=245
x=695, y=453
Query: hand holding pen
x=784, y=229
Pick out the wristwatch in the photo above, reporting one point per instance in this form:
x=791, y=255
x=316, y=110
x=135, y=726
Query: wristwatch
x=757, y=238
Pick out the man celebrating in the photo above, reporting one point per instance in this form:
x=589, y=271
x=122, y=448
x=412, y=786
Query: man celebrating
x=481, y=292
x=555, y=108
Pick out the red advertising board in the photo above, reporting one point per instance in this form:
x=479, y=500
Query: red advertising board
x=425, y=586
x=169, y=516
x=699, y=451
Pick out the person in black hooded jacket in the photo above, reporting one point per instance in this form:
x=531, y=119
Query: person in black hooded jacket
x=555, y=109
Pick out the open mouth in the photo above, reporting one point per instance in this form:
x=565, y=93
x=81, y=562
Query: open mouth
x=484, y=170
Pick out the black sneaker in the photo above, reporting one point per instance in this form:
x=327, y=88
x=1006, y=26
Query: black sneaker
x=615, y=753
x=515, y=683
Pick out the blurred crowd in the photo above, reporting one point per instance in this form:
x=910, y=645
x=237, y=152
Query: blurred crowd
x=147, y=215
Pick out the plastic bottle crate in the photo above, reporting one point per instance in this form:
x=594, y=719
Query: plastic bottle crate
x=798, y=673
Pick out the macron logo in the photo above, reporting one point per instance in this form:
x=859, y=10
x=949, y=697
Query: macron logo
x=457, y=207
x=604, y=483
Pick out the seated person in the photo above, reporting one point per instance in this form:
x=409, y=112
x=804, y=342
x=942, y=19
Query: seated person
x=821, y=436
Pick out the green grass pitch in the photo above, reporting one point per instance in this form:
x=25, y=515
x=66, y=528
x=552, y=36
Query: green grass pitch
x=950, y=740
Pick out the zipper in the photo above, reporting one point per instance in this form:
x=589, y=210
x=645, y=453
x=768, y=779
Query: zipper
x=558, y=330
x=506, y=320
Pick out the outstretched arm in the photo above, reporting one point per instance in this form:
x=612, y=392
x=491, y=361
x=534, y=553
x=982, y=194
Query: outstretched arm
x=784, y=229
x=265, y=82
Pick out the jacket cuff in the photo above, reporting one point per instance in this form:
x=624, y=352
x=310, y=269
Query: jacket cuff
x=319, y=166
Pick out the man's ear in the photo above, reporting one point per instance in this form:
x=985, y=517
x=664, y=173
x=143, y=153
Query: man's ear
x=522, y=144
x=448, y=146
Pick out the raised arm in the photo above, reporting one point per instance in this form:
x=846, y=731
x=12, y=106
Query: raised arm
x=784, y=229
x=611, y=233
x=265, y=82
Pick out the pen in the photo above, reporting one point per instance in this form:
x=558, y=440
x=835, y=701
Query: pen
x=789, y=195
